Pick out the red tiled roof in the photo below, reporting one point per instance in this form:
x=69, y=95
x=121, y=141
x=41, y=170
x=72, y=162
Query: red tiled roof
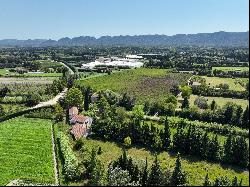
x=79, y=118
x=73, y=111
x=78, y=130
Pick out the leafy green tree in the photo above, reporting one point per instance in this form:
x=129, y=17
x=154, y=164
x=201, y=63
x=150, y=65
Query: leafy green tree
x=170, y=109
x=74, y=97
x=171, y=99
x=179, y=177
x=59, y=113
x=138, y=112
x=118, y=177
x=186, y=91
x=156, y=176
x=104, y=108
x=127, y=141
x=175, y=90
x=201, y=102
x=33, y=99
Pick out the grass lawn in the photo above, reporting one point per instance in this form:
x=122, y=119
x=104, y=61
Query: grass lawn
x=144, y=84
x=234, y=83
x=3, y=71
x=231, y=68
x=221, y=101
x=196, y=168
x=26, y=151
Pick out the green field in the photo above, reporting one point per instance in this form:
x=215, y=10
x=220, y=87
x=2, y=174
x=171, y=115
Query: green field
x=144, y=84
x=234, y=83
x=221, y=101
x=26, y=151
x=196, y=168
x=3, y=71
x=231, y=68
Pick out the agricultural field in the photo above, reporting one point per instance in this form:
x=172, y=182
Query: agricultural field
x=26, y=151
x=221, y=101
x=231, y=68
x=196, y=168
x=237, y=84
x=28, y=80
x=144, y=84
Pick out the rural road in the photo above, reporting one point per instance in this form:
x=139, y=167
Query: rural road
x=52, y=101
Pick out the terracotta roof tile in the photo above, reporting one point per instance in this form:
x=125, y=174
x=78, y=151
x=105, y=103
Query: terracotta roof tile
x=78, y=130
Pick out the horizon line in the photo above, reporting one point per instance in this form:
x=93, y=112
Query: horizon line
x=97, y=37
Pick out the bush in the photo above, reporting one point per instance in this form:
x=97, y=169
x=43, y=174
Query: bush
x=127, y=141
x=70, y=165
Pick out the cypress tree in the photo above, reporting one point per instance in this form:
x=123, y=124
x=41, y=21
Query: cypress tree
x=185, y=103
x=214, y=149
x=245, y=118
x=228, y=152
x=166, y=136
x=178, y=177
x=213, y=105
x=228, y=114
x=205, y=145
x=207, y=181
x=92, y=163
x=241, y=151
x=237, y=117
x=86, y=98
x=155, y=177
x=144, y=175
x=240, y=184
x=235, y=181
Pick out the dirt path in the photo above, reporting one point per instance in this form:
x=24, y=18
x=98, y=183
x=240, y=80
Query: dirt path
x=52, y=101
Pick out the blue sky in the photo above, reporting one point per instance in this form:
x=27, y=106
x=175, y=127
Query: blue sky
x=23, y=19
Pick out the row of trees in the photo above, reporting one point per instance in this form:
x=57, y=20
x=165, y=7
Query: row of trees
x=112, y=124
x=231, y=114
x=208, y=91
x=125, y=172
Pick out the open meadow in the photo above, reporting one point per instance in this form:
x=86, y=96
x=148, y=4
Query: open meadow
x=221, y=101
x=196, y=168
x=237, y=84
x=231, y=68
x=144, y=84
x=26, y=151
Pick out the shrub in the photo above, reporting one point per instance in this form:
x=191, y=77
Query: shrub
x=70, y=165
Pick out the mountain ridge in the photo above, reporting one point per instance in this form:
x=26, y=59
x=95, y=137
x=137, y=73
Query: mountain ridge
x=220, y=38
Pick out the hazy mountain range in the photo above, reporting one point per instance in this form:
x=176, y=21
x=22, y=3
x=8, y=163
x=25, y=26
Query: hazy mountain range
x=215, y=39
